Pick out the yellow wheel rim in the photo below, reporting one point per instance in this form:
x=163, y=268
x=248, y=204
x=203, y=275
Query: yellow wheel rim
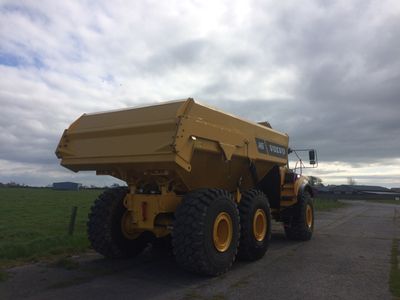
x=260, y=225
x=309, y=216
x=127, y=226
x=222, y=232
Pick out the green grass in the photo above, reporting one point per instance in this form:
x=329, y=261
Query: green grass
x=394, y=281
x=327, y=204
x=3, y=275
x=34, y=223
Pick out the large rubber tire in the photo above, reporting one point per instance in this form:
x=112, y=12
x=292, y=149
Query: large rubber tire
x=297, y=227
x=253, y=245
x=192, y=236
x=104, y=227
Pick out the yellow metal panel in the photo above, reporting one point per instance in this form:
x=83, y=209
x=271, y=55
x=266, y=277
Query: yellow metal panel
x=197, y=145
x=299, y=182
x=292, y=190
x=145, y=208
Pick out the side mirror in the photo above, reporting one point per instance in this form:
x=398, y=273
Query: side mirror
x=311, y=155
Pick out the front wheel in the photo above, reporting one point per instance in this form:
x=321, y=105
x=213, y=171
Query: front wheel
x=300, y=226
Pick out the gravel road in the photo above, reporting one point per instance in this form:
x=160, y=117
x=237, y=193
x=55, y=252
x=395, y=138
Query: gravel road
x=348, y=258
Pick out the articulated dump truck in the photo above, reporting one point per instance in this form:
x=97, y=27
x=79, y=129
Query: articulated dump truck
x=207, y=181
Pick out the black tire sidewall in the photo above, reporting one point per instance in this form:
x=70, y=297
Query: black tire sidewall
x=301, y=217
x=104, y=227
x=220, y=259
x=117, y=236
x=250, y=248
x=192, y=236
x=261, y=202
x=297, y=228
x=307, y=201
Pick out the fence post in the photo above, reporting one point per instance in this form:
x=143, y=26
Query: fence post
x=72, y=220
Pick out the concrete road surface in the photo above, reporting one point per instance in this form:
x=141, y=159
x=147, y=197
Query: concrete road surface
x=348, y=258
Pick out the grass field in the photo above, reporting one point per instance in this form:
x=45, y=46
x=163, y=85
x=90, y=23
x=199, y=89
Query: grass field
x=34, y=223
x=327, y=204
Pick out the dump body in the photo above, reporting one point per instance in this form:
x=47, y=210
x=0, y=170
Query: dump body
x=181, y=143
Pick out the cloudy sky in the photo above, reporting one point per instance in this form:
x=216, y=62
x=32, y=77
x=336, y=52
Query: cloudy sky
x=326, y=72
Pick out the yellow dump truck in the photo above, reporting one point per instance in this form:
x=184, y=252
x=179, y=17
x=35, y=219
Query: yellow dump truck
x=209, y=181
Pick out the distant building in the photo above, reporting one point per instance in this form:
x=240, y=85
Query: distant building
x=345, y=189
x=66, y=186
x=370, y=189
x=321, y=189
x=356, y=191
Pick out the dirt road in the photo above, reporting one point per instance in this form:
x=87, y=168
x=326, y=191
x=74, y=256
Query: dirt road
x=348, y=258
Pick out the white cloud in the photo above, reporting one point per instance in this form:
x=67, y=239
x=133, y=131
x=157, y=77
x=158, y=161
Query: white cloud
x=383, y=173
x=325, y=72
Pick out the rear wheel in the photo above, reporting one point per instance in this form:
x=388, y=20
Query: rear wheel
x=300, y=225
x=255, y=221
x=107, y=220
x=206, y=232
